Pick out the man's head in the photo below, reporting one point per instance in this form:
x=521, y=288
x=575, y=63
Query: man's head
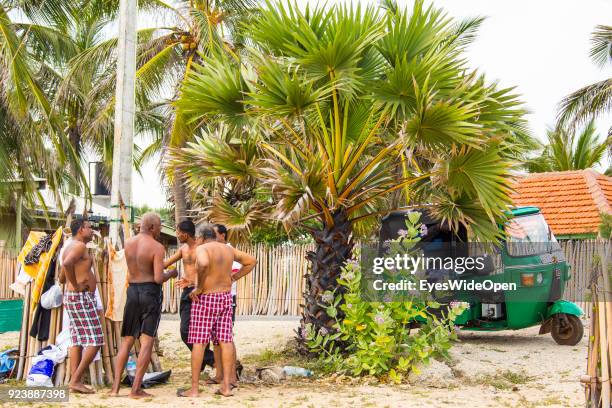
x=81, y=230
x=151, y=224
x=221, y=233
x=206, y=232
x=185, y=230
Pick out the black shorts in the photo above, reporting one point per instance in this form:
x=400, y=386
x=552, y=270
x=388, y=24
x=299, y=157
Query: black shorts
x=233, y=308
x=142, y=309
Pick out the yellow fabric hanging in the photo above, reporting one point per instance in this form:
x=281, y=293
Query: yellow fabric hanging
x=33, y=238
x=43, y=265
x=116, y=276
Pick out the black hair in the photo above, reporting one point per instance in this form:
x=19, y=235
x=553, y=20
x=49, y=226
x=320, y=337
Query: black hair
x=76, y=225
x=188, y=227
x=222, y=229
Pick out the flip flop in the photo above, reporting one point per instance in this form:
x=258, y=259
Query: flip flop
x=218, y=392
x=181, y=393
x=212, y=381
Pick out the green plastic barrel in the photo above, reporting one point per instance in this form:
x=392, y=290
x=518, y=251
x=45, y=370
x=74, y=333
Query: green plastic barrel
x=11, y=312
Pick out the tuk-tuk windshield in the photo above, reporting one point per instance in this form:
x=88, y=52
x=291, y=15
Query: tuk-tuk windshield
x=529, y=235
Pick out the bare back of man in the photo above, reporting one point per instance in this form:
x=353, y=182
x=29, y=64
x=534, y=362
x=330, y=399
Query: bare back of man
x=140, y=254
x=218, y=275
x=145, y=261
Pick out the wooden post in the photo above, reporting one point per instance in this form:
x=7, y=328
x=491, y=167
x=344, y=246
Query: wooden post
x=125, y=107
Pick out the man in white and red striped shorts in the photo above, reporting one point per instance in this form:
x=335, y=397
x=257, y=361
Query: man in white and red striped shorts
x=85, y=327
x=211, y=319
x=211, y=308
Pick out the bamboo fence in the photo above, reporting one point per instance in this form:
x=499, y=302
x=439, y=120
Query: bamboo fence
x=276, y=285
x=8, y=273
x=599, y=361
x=582, y=256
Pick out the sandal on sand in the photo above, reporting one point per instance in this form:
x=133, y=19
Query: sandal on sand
x=218, y=392
x=181, y=393
x=212, y=381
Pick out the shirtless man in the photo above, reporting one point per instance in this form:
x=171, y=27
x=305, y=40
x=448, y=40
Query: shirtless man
x=211, y=310
x=145, y=261
x=221, y=232
x=80, y=304
x=185, y=232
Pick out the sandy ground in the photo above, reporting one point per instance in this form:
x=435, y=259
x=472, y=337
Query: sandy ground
x=504, y=369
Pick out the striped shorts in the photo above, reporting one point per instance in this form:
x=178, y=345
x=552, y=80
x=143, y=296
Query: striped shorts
x=211, y=319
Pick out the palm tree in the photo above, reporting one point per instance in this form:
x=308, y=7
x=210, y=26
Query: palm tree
x=352, y=105
x=83, y=88
x=569, y=151
x=165, y=56
x=31, y=141
x=594, y=99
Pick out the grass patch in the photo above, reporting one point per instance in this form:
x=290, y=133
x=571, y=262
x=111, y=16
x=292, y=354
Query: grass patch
x=525, y=403
x=504, y=380
x=283, y=356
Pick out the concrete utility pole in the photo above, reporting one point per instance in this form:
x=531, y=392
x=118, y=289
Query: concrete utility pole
x=124, y=115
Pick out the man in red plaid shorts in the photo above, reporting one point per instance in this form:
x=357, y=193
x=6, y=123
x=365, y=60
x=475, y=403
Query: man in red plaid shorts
x=211, y=308
x=80, y=304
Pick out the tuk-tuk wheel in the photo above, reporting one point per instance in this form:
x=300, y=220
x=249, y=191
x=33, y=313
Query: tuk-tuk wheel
x=567, y=330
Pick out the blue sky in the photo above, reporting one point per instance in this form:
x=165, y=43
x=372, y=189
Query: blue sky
x=539, y=46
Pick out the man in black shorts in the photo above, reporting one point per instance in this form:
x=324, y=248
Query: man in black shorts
x=145, y=261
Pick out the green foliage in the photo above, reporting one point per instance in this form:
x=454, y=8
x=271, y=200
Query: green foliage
x=375, y=338
x=382, y=95
x=273, y=234
x=570, y=150
x=605, y=228
x=594, y=99
x=166, y=214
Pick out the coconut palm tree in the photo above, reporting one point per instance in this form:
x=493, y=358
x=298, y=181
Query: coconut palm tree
x=351, y=106
x=567, y=150
x=31, y=142
x=83, y=88
x=165, y=56
x=594, y=99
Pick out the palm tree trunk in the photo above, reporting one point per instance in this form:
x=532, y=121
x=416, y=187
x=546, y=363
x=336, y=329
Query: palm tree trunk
x=179, y=195
x=334, y=246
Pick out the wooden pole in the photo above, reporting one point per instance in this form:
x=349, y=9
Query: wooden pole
x=125, y=107
x=23, y=334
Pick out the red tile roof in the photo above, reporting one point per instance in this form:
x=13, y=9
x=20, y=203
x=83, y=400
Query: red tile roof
x=570, y=200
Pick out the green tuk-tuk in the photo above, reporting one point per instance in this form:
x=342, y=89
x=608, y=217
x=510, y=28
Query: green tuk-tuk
x=530, y=258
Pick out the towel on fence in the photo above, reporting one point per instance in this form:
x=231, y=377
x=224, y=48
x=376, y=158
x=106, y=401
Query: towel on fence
x=42, y=267
x=116, y=276
x=33, y=238
x=44, y=245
